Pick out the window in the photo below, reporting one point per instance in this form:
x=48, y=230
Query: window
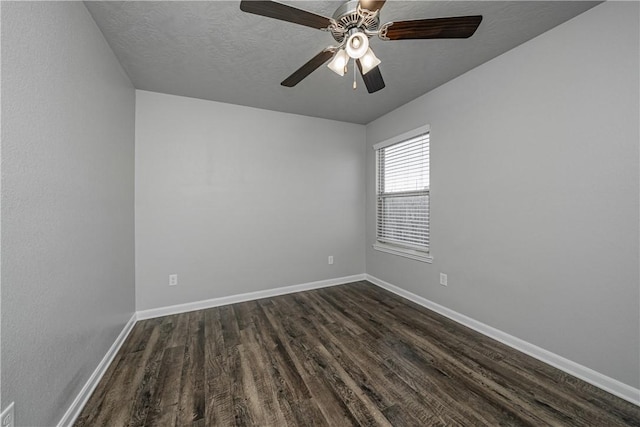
x=402, y=195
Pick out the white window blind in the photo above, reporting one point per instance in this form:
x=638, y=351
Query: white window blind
x=403, y=192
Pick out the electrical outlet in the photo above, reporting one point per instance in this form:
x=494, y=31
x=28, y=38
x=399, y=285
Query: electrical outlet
x=7, y=417
x=443, y=279
x=173, y=279
x=330, y=260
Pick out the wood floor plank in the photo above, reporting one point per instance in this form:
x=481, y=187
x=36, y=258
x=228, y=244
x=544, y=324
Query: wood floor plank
x=219, y=407
x=262, y=391
x=191, y=403
x=333, y=409
x=180, y=331
x=383, y=386
x=138, y=337
x=281, y=360
x=229, y=325
x=293, y=394
x=153, y=354
x=163, y=406
x=339, y=356
x=97, y=399
x=338, y=317
x=113, y=409
x=340, y=346
x=239, y=387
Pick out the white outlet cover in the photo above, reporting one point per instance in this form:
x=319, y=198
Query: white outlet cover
x=443, y=279
x=7, y=417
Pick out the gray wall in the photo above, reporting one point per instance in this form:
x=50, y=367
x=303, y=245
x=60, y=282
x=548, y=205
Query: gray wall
x=67, y=205
x=236, y=199
x=535, y=192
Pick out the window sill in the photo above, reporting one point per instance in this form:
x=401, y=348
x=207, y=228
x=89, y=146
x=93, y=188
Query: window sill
x=403, y=252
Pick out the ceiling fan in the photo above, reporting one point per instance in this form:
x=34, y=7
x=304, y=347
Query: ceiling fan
x=352, y=24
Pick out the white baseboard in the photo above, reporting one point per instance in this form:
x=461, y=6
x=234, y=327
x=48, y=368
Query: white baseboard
x=250, y=296
x=597, y=379
x=81, y=399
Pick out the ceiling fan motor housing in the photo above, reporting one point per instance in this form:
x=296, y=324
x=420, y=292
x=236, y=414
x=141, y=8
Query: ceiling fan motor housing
x=347, y=18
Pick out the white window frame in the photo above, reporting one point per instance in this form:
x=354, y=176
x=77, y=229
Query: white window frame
x=404, y=251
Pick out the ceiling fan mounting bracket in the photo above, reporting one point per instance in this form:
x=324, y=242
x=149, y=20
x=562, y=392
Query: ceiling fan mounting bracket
x=349, y=16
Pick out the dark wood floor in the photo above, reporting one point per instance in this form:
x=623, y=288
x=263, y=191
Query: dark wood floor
x=347, y=355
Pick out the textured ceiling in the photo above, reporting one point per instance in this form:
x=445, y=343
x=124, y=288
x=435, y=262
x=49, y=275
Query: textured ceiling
x=214, y=51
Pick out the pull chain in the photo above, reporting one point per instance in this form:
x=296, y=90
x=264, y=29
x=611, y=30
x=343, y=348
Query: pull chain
x=354, y=74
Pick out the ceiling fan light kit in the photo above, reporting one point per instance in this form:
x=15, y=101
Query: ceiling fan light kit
x=351, y=26
x=357, y=45
x=339, y=62
x=369, y=61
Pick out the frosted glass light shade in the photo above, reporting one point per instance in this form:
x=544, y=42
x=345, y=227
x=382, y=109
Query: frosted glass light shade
x=357, y=45
x=369, y=61
x=339, y=62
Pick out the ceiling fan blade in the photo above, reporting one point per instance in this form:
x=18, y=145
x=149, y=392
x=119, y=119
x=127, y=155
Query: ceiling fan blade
x=372, y=5
x=275, y=10
x=308, y=68
x=460, y=27
x=373, y=79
